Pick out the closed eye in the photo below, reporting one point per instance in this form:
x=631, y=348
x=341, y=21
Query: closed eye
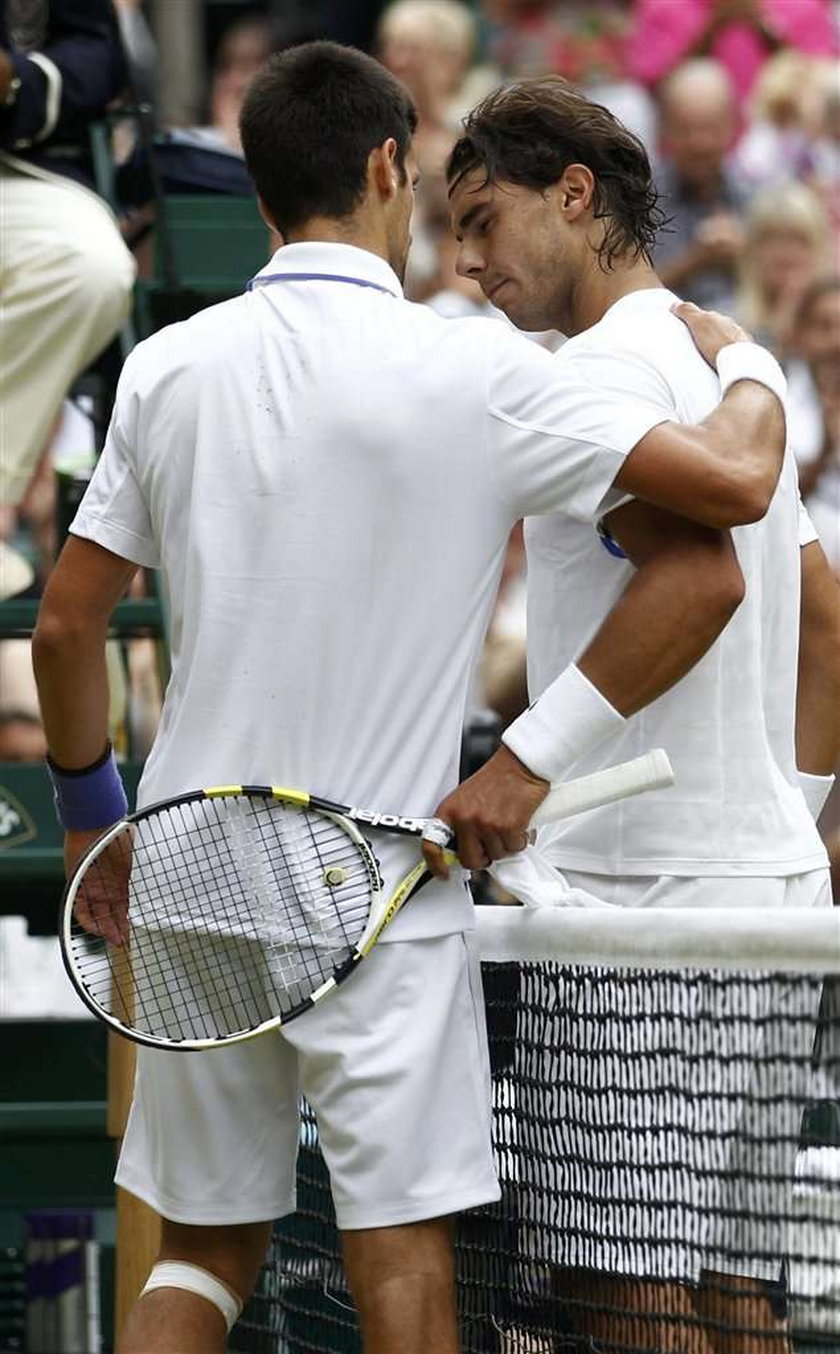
x=474, y=222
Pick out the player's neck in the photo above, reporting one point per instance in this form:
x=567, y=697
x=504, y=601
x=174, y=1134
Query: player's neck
x=597, y=290
x=354, y=230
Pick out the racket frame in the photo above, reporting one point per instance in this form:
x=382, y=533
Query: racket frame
x=345, y=818
x=651, y=771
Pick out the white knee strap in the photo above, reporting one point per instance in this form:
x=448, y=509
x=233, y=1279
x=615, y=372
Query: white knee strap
x=178, y=1274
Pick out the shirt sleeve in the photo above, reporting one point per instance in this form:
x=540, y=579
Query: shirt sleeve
x=558, y=433
x=114, y=512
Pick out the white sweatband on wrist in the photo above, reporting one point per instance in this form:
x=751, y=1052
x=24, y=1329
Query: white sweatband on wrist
x=816, y=790
x=569, y=718
x=192, y=1279
x=750, y=362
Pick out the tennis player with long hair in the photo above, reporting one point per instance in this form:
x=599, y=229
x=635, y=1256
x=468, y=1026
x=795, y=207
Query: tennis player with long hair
x=553, y=205
x=327, y=477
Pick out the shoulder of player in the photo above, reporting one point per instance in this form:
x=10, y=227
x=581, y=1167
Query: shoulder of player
x=481, y=352
x=205, y=339
x=658, y=350
x=471, y=332
x=647, y=331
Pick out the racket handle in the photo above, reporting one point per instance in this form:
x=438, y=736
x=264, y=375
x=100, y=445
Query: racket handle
x=653, y=771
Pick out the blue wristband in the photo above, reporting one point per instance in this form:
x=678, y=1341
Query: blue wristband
x=92, y=798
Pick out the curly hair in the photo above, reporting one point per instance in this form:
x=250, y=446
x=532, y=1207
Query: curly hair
x=529, y=132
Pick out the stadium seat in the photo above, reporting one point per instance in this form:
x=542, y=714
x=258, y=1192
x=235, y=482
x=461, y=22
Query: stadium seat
x=207, y=244
x=207, y=247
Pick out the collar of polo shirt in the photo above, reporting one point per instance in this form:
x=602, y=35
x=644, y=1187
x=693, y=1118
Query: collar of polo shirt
x=329, y=262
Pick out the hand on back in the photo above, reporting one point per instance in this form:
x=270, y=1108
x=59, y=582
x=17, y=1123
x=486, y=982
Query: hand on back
x=710, y=330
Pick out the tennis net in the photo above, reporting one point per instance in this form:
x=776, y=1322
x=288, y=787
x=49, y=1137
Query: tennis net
x=666, y=1099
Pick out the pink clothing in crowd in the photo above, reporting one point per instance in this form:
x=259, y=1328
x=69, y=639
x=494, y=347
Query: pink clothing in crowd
x=668, y=31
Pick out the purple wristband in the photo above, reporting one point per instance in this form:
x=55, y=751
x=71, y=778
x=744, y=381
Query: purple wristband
x=91, y=798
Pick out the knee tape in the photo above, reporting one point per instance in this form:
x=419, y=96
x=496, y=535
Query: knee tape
x=179, y=1274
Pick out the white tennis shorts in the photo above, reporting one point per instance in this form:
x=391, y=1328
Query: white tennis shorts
x=395, y=1067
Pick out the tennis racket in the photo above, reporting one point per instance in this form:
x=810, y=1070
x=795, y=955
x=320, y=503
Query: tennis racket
x=221, y=914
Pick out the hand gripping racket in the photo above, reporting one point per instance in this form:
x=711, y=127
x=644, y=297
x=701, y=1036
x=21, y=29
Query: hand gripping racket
x=220, y=914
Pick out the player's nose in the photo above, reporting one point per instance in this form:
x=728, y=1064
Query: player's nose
x=469, y=262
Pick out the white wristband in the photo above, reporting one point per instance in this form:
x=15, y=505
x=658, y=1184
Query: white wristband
x=570, y=717
x=750, y=362
x=816, y=790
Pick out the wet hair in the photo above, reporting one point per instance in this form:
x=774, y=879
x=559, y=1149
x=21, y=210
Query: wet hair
x=528, y=133
x=309, y=121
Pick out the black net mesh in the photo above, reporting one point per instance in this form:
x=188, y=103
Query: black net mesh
x=668, y=1145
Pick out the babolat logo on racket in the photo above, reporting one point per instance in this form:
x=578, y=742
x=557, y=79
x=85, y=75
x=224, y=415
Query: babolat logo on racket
x=393, y=821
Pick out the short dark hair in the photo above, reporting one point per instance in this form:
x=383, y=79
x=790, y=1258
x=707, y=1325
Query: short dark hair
x=528, y=133
x=309, y=121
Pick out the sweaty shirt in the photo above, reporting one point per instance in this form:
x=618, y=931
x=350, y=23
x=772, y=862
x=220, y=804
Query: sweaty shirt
x=728, y=726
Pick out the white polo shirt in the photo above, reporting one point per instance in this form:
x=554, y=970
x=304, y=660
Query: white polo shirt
x=327, y=475
x=728, y=726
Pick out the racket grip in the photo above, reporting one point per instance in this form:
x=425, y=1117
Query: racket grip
x=653, y=771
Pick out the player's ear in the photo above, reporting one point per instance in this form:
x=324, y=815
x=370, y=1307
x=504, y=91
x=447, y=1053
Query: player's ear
x=575, y=191
x=267, y=218
x=383, y=169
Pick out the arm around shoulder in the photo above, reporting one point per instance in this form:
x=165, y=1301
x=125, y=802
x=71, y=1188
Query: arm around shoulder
x=723, y=471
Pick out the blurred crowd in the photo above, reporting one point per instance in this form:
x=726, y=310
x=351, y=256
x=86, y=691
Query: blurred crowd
x=737, y=102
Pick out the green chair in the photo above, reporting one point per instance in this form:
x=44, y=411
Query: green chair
x=207, y=247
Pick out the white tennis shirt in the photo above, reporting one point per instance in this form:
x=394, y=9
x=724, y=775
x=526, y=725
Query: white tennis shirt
x=326, y=475
x=728, y=726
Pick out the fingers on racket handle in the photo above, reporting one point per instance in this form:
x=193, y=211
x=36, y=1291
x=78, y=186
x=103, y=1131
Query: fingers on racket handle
x=438, y=832
x=653, y=771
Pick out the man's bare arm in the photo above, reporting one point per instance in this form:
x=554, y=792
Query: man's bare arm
x=818, y=689
x=68, y=655
x=687, y=586
x=68, y=649
x=721, y=472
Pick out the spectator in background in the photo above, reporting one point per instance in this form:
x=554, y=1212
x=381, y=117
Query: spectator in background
x=242, y=50
x=825, y=139
x=583, y=40
x=787, y=246
x=698, y=255
x=65, y=275
x=429, y=45
x=21, y=736
x=775, y=143
x=741, y=34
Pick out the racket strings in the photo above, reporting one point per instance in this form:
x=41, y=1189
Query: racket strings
x=218, y=915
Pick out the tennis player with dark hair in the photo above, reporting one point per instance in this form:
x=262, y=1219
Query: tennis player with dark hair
x=554, y=208
x=327, y=477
